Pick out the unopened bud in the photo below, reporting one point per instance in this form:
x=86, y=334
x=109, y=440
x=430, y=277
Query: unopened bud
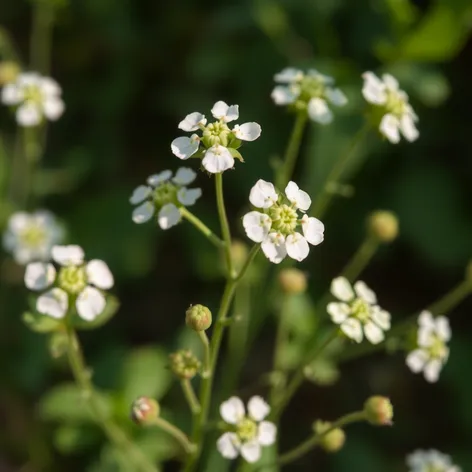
x=198, y=317
x=383, y=225
x=378, y=410
x=333, y=440
x=184, y=364
x=144, y=410
x=239, y=253
x=292, y=281
x=9, y=70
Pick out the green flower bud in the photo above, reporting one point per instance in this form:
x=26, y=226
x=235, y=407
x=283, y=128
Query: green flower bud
x=184, y=364
x=198, y=317
x=383, y=225
x=378, y=411
x=58, y=344
x=144, y=410
x=9, y=70
x=332, y=441
x=239, y=253
x=292, y=281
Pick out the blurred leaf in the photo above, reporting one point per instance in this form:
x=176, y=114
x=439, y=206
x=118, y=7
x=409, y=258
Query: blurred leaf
x=157, y=445
x=403, y=12
x=74, y=439
x=110, y=310
x=41, y=323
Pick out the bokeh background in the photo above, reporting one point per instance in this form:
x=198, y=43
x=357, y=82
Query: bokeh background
x=130, y=71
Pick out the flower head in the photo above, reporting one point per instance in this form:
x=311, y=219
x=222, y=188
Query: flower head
x=313, y=92
x=218, y=143
x=36, y=98
x=247, y=431
x=357, y=313
x=164, y=195
x=432, y=352
x=430, y=461
x=276, y=222
x=31, y=236
x=76, y=282
x=393, y=113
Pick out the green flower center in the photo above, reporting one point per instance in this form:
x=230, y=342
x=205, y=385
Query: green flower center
x=72, y=279
x=32, y=93
x=438, y=349
x=165, y=193
x=284, y=218
x=34, y=236
x=361, y=310
x=216, y=133
x=395, y=104
x=246, y=429
x=312, y=87
x=433, y=468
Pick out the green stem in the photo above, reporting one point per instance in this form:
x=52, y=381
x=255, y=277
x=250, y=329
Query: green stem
x=175, y=432
x=207, y=232
x=41, y=37
x=224, y=223
x=207, y=355
x=361, y=258
x=190, y=396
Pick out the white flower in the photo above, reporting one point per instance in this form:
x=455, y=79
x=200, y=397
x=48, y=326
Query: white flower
x=36, y=97
x=247, y=433
x=218, y=143
x=275, y=226
x=357, y=313
x=31, y=236
x=398, y=115
x=311, y=91
x=432, y=352
x=430, y=461
x=82, y=281
x=164, y=195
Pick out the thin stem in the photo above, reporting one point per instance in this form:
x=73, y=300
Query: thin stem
x=207, y=355
x=361, y=258
x=207, y=232
x=175, y=432
x=41, y=37
x=190, y=396
x=224, y=222
x=252, y=254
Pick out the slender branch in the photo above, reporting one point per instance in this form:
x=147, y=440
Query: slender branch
x=207, y=232
x=190, y=396
x=361, y=258
x=207, y=355
x=175, y=432
x=224, y=222
x=41, y=37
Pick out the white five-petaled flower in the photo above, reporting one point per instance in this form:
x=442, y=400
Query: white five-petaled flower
x=164, y=195
x=358, y=313
x=36, y=98
x=430, y=461
x=217, y=144
x=247, y=432
x=397, y=114
x=274, y=226
x=76, y=280
x=432, y=352
x=31, y=236
x=311, y=91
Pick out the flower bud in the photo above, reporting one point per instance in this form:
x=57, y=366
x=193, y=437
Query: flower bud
x=332, y=441
x=292, y=281
x=184, y=364
x=378, y=410
x=239, y=253
x=9, y=70
x=383, y=225
x=144, y=410
x=198, y=317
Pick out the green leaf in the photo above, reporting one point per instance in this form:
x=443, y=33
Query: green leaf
x=41, y=323
x=110, y=310
x=157, y=445
x=74, y=439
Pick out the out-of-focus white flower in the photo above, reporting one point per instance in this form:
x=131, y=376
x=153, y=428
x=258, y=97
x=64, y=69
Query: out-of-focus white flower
x=31, y=236
x=164, y=195
x=430, y=461
x=313, y=92
x=357, y=313
x=247, y=432
x=36, y=98
x=276, y=222
x=396, y=114
x=218, y=143
x=432, y=352
x=76, y=280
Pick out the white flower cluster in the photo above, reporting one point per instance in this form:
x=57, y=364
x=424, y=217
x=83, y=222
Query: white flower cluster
x=358, y=313
x=397, y=115
x=275, y=226
x=248, y=433
x=432, y=352
x=36, y=98
x=163, y=195
x=311, y=91
x=430, y=461
x=217, y=144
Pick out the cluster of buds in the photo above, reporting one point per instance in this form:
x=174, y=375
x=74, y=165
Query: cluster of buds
x=184, y=364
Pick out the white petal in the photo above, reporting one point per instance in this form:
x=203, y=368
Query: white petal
x=188, y=196
x=390, y=81
x=323, y=78
x=341, y=289
x=169, y=215
x=49, y=87
x=143, y=213
x=298, y=197
x=68, y=255
x=336, y=97
x=226, y=113
x=432, y=370
x=156, y=179
x=364, y=292
x=313, y=230
x=139, y=194
x=99, y=274
x=319, y=111
x=425, y=336
x=251, y=451
x=338, y=311
x=373, y=333
x=257, y=226
x=443, y=328
x=297, y=246
x=416, y=360
x=227, y=445
x=39, y=275
x=184, y=176
x=381, y=318
x=28, y=114
x=19, y=221
x=373, y=89
x=285, y=95
x=426, y=320
x=257, y=408
x=53, y=108
x=263, y=194
x=11, y=94
x=28, y=79
x=267, y=432
x=288, y=75
x=247, y=131
x=389, y=127
x=192, y=121
x=185, y=147
x=232, y=410
x=274, y=248
x=217, y=159
x=408, y=128
x=53, y=303
x=352, y=329
x=90, y=303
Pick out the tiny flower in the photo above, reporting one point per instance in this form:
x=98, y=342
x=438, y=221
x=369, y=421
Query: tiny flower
x=218, y=143
x=430, y=461
x=312, y=92
x=274, y=226
x=247, y=432
x=393, y=113
x=31, y=236
x=164, y=195
x=144, y=410
x=432, y=352
x=36, y=98
x=357, y=313
x=77, y=281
